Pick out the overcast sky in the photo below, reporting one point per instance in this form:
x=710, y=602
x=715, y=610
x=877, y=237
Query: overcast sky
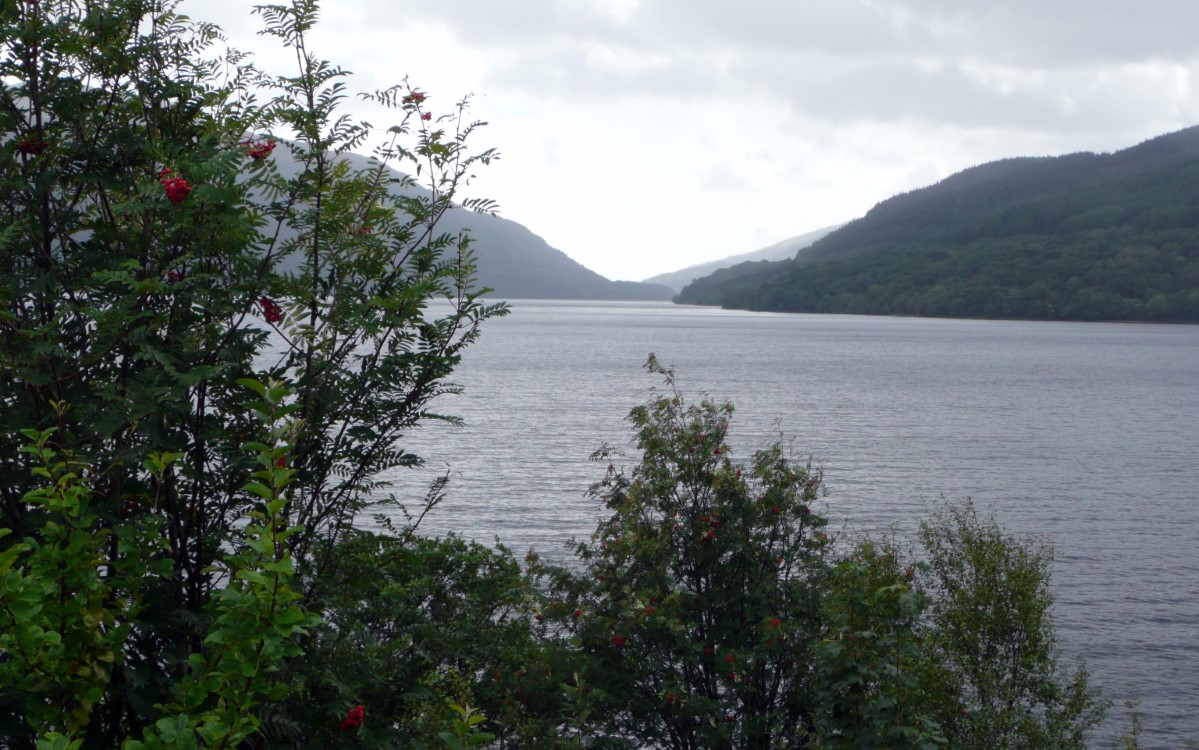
x=642, y=136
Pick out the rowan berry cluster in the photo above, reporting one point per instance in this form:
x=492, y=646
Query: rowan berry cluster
x=176, y=188
x=31, y=146
x=258, y=150
x=271, y=310
x=354, y=718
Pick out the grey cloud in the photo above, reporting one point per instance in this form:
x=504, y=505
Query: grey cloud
x=1031, y=33
x=1074, y=99
x=675, y=26
x=509, y=25
x=845, y=27
x=1073, y=32
x=549, y=151
x=898, y=90
x=1060, y=65
x=1028, y=32
x=567, y=71
x=724, y=178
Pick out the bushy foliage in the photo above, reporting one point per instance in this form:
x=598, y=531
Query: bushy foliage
x=712, y=610
x=255, y=616
x=60, y=656
x=415, y=627
x=697, y=618
x=992, y=673
x=870, y=662
x=155, y=255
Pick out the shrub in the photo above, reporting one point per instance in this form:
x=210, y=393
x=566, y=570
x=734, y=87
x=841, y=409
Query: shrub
x=414, y=626
x=155, y=253
x=870, y=660
x=993, y=677
x=697, y=613
x=712, y=610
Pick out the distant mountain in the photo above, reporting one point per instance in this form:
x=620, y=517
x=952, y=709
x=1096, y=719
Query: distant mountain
x=518, y=264
x=676, y=280
x=1078, y=237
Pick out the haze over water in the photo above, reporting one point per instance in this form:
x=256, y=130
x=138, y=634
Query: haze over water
x=1085, y=433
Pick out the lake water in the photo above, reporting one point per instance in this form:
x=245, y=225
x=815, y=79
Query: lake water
x=1085, y=433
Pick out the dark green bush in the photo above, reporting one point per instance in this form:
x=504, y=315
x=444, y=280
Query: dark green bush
x=712, y=610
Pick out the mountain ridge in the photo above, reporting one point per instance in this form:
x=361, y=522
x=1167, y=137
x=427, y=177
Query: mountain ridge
x=511, y=260
x=1081, y=236
x=778, y=251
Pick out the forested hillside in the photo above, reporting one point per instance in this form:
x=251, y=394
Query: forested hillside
x=1078, y=237
x=778, y=251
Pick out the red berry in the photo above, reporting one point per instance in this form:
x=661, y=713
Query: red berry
x=176, y=188
x=270, y=310
x=31, y=146
x=354, y=718
x=258, y=150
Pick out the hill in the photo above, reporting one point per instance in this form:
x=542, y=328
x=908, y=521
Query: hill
x=676, y=280
x=515, y=262
x=518, y=264
x=1077, y=237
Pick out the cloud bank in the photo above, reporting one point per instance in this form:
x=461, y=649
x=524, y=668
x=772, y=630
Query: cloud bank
x=641, y=136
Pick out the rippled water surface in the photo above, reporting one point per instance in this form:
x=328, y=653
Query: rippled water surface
x=1085, y=433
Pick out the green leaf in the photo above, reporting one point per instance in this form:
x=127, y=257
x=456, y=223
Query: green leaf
x=253, y=385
